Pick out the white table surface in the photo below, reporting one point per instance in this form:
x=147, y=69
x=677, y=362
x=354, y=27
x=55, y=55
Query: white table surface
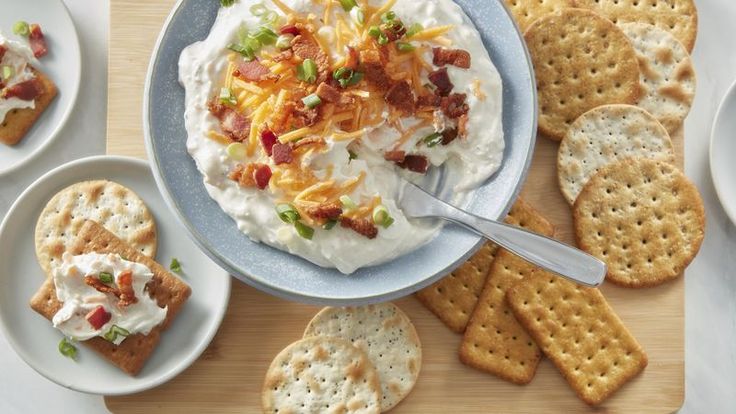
x=710, y=346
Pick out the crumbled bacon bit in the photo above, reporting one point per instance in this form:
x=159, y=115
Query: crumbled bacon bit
x=363, y=226
x=394, y=156
x=455, y=57
x=268, y=139
x=454, y=105
x=253, y=71
x=331, y=94
x=429, y=101
x=416, y=163
x=262, y=175
x=26, y=90
x=306, y=48
x=127, y=294
x=3, y=49
x=353, y=58
x=233, y=124
x=282, y=153
x=401, y=97
x=449, y=135
x=327, y=211
x=289, y=29
x=285, y=55
x=100, y=286
x=441, y=80
x=374, y=70
x=37, y=41
x=98, y=317
x=462, y=126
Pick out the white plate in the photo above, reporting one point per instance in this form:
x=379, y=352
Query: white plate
x=33, y=337
x=63, y=64
x=722, y=151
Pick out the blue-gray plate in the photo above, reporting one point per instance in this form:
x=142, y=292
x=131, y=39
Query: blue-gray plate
x=291, y=277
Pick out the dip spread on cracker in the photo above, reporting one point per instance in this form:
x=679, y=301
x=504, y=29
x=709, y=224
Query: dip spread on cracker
x=104, y=295
x=17, y=79
x=303, y=115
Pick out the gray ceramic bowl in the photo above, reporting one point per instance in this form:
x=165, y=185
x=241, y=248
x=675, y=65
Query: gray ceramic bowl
x=291, y=277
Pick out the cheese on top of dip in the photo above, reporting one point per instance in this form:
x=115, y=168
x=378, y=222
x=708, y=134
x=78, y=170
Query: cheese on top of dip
x=15, y=69
x=95, y=290
x=304, y=115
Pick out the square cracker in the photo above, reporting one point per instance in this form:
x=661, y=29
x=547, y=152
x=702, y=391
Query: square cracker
x=18, y=121
x=167, y=289
x=577, y=329
x=494, y=341
x=453, y=298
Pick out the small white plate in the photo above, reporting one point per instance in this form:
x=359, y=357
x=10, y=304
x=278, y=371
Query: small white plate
x=33, y=337
x=63, y=64
x=722, y=152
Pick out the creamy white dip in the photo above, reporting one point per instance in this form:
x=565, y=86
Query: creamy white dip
x=79, y=298
x=19, y=57
x=468, y=161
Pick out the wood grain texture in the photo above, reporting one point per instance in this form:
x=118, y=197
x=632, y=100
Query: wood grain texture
x=228, y=376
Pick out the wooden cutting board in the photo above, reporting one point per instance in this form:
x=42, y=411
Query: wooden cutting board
x=228, y=376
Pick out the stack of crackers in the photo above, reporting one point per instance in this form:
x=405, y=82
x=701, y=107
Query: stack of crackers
x=614, y=79
x=350, y=360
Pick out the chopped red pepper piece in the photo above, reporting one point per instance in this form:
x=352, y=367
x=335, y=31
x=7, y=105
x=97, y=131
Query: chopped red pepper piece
x=290, y=29
x=38, y=43
x=268, y=139
x=98, y=317
x=262, y=175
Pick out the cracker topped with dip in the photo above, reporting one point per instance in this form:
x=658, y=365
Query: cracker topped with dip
x=303, y=117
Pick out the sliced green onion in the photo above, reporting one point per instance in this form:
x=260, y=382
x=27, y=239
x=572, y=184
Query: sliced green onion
x=237, y=151
x=348, y=202
x=106, y=277
x=388, y=16
x=374, y=31
x=352, y=155
x=258, y=9
x=287, y=213
x=252, y=43
x=405, y=47
x=227, y=97
x=312, y=101
x=175, y=266
x=8, y=71
x=329, y=225
x=242, y=33
x=304, y=230
x=389, y=221
x=307, y=71
x=432, y=139
x=271, y=17
x=380, y=214
x=21, y=28
x=266, y=36
x=342, y=73
x=348, y=5
x=227, y=3
x=114, y=332
x=247, y=52
x=67, y=349
x=382, y=39
x=359, y=16
x=355, y=79
x=284, y=41
x=414, y=29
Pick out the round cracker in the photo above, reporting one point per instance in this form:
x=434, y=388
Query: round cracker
x=643, y=217
x=679, y=17
x=667, y=73
x=602, y=136
x=115, y=207
x=581, y=61
x=525, y=12
x=387, y=336
x=321, y=374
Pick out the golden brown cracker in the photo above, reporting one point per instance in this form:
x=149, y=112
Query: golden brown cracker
x=494, y=341
x=525, y=12
x=19, y=121
x=679, y=17
x=116, y=207
x=581, y=61
x=167, y=289
x=643, y=217
x=321, y=374
x=579, y=332
x=453, y=298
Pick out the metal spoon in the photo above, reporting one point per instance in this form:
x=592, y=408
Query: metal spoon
x=542, y=251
